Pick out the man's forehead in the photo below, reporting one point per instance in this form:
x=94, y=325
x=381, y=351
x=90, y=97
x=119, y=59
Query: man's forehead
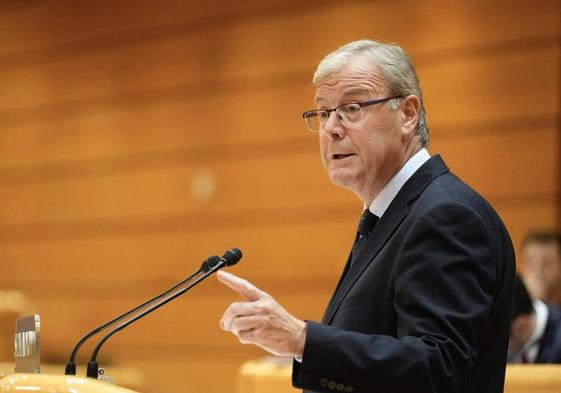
x=535, y=247
x=352, y=91
x=354, y=79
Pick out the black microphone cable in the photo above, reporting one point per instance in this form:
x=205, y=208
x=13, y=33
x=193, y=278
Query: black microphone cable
x=230, y=257
x=205, y=267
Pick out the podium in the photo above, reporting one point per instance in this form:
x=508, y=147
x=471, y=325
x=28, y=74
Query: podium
x=270, y=375
x=533, y=378
x=266, y=375
x=56, y=383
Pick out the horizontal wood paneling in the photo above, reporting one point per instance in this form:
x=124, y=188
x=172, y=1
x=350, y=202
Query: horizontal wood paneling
x=255, y=48
x=43, y=34
x=504, y=176
x=189, y=321
x=157, y=260
x=128, y=266
x=109, y=113
x=494, y=88
x=533, y=215
x=271, y=183
x=78, y=36
x=261, y=112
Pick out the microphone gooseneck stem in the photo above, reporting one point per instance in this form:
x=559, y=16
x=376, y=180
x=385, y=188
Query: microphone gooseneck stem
x=71, y=366
x=92, y=366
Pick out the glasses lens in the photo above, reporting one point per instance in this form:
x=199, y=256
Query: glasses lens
x=351, y=113
x=312, y=120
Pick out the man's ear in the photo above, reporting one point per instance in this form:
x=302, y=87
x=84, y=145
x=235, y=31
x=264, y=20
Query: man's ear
x=410, y=108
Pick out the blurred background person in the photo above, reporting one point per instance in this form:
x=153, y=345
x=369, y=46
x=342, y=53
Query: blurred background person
x=535, y=333
x=541, y=264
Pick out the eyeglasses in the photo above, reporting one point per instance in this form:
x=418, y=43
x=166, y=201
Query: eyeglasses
x=350, y=113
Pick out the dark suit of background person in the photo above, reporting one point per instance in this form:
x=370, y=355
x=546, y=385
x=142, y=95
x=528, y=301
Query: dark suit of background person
x=425, y=305
x=535, y=335
x=550, y=343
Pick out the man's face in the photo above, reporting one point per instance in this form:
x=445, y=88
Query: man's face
x=361, y=157
x=542, y=267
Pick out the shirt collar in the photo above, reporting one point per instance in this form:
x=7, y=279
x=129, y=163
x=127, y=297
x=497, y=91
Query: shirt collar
x=541, y=321
x=382, y=201
x=532, y=346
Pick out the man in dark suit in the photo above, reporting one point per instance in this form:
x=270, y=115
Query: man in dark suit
x=535, y=333
x=424, y=301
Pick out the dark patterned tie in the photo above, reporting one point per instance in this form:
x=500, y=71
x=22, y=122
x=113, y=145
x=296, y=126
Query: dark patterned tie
x=365, y=227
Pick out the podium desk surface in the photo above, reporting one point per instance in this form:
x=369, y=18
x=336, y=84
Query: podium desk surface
x=273, y=375
x=56, y=383
x=129, y=377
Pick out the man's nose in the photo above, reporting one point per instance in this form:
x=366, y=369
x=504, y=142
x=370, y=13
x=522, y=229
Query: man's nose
x=333, y=127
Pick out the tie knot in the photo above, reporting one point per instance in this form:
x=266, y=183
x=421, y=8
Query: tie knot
x=367, y=222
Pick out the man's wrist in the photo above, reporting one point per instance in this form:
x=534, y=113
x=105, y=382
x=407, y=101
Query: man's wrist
x=301, y=342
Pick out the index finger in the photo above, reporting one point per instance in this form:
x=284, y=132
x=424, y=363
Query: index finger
x=240, y=285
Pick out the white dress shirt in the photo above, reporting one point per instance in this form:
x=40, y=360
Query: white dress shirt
x=532, y=347
x=382, y=201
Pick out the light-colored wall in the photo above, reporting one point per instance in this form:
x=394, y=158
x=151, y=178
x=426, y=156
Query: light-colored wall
x=138, y=137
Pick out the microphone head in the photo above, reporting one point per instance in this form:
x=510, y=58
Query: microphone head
x=210, y=263
x=232, y=256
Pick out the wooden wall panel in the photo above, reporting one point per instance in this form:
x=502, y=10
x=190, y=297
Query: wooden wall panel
x=249, y=49
x=153, y=261
x=83, y=22
x=272, y=184
x=188, y=322
x=111, y=113
x=457, y=96
x=154, y=23
x=146, y=260
x=148, y=264
x=520, y=217
x=25, y=31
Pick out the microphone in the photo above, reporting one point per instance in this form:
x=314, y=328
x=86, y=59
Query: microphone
x=230, y=258
x=207, y=264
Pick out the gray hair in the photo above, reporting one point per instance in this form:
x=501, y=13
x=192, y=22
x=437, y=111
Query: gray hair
x=395, y=65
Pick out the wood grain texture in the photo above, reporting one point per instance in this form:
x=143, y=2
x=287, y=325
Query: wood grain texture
x=136, y=138
x=163, y=121
x=94, y=204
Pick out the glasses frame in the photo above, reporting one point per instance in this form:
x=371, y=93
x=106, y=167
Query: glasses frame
x=362, y=104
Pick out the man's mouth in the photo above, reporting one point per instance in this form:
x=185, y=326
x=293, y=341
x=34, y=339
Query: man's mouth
x=342, y=156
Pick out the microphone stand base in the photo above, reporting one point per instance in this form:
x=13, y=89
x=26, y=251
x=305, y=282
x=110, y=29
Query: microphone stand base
x=93, y=370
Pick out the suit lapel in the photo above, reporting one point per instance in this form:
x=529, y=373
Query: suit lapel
x=386, y=226
x=341, y=279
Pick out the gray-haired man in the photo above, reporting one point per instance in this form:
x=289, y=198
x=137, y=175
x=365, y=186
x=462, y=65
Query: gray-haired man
x=424, y=300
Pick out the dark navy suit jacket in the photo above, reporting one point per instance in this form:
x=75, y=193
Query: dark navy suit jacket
x=550, y=343
x=426, y=306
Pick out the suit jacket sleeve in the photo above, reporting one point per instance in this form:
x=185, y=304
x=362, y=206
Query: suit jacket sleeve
x=445, y=280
